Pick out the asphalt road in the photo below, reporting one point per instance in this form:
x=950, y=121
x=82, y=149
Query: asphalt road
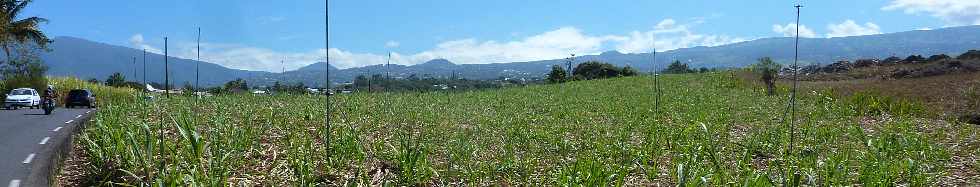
x=30, y=140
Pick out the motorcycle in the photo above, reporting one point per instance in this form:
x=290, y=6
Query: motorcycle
x=48, y=105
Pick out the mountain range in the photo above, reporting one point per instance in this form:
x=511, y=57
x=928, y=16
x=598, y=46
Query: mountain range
x=70, y=56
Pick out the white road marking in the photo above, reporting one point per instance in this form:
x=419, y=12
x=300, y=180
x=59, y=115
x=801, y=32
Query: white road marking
x=14, y=183
x=29, y=158
x=69, y=121
x=79, y=116
x=56, y=129
x=86, y=112
x=45, y=140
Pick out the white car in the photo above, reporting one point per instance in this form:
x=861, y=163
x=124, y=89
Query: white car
x=22, y=97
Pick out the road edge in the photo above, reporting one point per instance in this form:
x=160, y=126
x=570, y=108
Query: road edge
x=42, y=174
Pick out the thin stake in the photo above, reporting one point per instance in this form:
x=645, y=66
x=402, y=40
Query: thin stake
x=326, y=34
x=144, y=68
x=166, y=69
x=792, y=100
x=197, y=75
x=656, y=81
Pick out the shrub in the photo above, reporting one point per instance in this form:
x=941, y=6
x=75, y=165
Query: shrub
x=557, y=75
x=678, y=68
x=599, y=70
x=768, y=69
x=629, y=71
x=116, y=80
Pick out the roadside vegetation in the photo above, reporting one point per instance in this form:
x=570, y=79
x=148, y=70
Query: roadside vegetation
x=709, y=129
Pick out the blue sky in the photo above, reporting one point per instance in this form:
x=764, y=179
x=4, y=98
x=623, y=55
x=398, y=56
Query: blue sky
x=257, y=35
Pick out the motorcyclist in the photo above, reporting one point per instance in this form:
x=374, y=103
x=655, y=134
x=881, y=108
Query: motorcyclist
x=49, y=93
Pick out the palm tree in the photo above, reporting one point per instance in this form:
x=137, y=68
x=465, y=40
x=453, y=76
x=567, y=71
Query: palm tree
x=22, y=31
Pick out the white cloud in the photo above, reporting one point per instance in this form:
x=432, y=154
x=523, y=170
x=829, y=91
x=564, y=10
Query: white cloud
x=789, y=30
x=668, y=35
x=953, y=12
x=554, y=44
x=850, y=28
x=137, y=42
x=392, y=44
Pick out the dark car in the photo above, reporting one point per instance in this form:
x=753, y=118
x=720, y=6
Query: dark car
x=80, y=98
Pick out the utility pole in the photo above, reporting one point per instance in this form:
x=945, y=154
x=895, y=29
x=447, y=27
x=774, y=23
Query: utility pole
x=166, y=69
x=197, y=75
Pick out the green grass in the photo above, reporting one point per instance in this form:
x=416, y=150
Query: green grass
x=710, y=130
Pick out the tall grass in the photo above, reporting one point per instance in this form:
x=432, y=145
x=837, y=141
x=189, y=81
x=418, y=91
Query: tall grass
x=591, y=133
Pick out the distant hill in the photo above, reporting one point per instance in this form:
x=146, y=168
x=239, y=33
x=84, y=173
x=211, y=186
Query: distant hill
x=952, y=41
x=86, y=59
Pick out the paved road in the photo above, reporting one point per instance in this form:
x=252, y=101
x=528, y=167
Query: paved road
x=30, y=140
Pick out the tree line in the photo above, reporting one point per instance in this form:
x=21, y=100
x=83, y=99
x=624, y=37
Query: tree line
x=588, y=71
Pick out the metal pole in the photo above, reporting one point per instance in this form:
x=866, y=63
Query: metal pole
x=197, y=75
x=326, y=23
x=387, y=75
x=796, y=59
x=144, y=68
x=656, y=81
x=166, y=69
x=388, y=66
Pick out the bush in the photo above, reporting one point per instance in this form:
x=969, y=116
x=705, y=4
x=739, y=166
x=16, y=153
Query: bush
x=599, y=70
x=678, y=68
x=768, y=69
x=557, y=75
x=116, y=80
x=629, y=71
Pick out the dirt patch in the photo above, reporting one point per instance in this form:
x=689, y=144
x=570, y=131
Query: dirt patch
x=72, y=172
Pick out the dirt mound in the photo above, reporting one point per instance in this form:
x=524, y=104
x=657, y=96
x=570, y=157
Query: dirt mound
x=936, y=68
x=970, y=55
